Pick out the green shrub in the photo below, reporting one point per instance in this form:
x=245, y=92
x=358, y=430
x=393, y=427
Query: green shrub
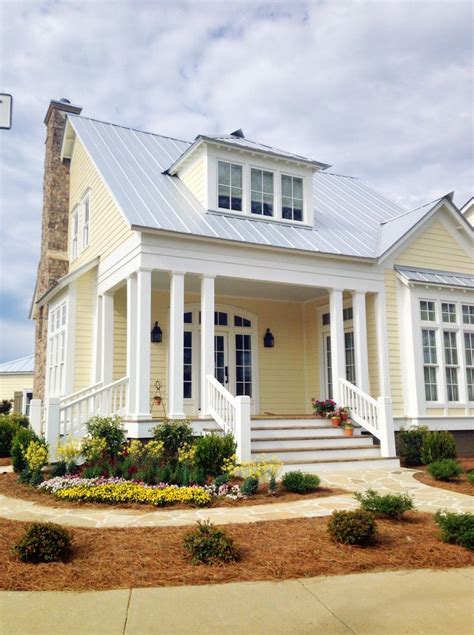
x=249, y=486
x=20, y=443
x=356, y=527
x=174, y=434
x=9, y=424
x=437, y=445
x=207, y=545
x=5, y=406
x=221, y=480
x=213, y=451
x=44, y=542
x=111, y=430
x=470, y=477
x=456, y=528
x=409, y=442
x=445, y=469
x=392, y=505
x=300, y=482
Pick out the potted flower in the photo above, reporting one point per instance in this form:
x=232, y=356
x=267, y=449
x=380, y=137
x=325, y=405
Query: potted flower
x=157, y=400
x=336, y=419
x=348, y=427
x=344, y=412
x=323, y=408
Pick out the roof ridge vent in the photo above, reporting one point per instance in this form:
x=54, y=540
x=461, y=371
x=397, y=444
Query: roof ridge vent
x=238, y=133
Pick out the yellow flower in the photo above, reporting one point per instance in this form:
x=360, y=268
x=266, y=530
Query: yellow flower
x=69, y=451
x=36, y=456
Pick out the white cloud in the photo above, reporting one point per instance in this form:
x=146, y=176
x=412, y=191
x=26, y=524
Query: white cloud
x=380, y=89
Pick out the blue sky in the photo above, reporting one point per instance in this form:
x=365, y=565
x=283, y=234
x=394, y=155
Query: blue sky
x=381, y=90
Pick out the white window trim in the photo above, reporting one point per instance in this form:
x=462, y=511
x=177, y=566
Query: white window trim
x=245, y=186
x=273, y=173
x=440, y=296
x=78, y=245
x=75, y=233
x=86, y=199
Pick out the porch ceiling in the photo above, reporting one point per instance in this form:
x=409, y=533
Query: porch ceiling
x=236, y=287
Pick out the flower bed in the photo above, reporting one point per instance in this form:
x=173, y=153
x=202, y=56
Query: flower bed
x=117, y=490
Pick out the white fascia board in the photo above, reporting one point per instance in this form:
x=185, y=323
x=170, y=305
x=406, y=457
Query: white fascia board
x=69, y=138
x=175, y=167
x=67, y=279
x=464, y=230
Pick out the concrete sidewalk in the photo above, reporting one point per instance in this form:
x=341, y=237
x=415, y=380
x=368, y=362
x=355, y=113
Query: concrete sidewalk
x=395, y=603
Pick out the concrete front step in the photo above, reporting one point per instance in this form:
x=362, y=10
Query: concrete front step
x=260, y=444
x=296, y=422
x=297, y=431
x=342, y=465
x=304, y=455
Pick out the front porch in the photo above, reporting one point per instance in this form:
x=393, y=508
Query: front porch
x=212, y=361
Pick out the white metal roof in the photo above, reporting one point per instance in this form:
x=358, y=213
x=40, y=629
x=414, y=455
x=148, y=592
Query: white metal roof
x=350, y=218
x=21, y=365
x=434, y=277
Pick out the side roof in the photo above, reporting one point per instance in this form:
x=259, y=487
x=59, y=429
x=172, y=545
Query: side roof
x=350, y=218
x=19, y=366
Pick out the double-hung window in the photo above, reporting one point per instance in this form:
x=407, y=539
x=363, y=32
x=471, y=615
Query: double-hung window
x=468, y=313
x=448, y=311
x=75, y=233
x=85, y=227
x=451, y=365
x=469, y=351
x=229, y=186
x=430, y=364
x=261, y=195
x=291, y=197
x=57, y=350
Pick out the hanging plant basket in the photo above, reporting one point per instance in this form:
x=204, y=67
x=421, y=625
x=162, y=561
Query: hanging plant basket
x=157, y=401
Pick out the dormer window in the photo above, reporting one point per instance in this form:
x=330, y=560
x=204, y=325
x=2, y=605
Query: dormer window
x=291, y=197
x=261, y=201
x=229, y=186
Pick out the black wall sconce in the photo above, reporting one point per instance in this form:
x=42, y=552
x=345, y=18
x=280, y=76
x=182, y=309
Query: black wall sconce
x=156, y=334
x=268, y=339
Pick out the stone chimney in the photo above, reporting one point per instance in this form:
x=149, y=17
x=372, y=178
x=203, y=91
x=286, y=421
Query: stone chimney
x=53, y=263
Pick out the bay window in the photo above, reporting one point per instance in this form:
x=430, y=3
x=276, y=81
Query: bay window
x=469, y=352
x=430, y=364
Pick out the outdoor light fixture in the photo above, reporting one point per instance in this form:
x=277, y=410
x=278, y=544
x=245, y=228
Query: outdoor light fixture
x=157, y=333
x=268, y=339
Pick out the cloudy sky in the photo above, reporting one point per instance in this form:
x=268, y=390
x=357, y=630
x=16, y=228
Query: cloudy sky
x=381, y=90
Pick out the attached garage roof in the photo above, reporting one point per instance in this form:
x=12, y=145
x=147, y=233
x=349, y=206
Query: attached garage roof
x=21, y=366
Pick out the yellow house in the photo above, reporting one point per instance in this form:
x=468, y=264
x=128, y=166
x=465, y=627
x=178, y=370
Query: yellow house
x=244, y=281
x=16, y=377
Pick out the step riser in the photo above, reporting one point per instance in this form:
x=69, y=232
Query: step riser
x=320, y=455
x=334, y=466
x=342, y=442
x=271, y=433
x=289, y=423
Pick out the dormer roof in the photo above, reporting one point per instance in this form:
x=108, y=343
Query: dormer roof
x=237, y=141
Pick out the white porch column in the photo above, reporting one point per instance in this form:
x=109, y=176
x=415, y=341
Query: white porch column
x=360, y=340
x=131, y=343
x=338, y=356
x=107, y=338
x=382, y=344
x=207, y=338
x=143, y=346
x=97, y=342
x=176, y=343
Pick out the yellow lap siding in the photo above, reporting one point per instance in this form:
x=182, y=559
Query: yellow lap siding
x=11, y=383
x=120, y=334
x=374, y=388
x=107, y=227
x=393, y=335
x=194, y=178
x=84, y=328
x=437, y=249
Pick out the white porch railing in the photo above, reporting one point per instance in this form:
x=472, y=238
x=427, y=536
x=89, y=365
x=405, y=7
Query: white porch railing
x=109, y=400
x=84, y=392
x=375, y=415
x=232, y=414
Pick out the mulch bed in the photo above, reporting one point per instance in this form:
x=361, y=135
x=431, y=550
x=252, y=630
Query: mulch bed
x=9, y=486
x=5, y=460
x=460, y=485
x=272, y=550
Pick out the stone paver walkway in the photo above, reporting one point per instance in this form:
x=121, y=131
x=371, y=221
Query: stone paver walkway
x=426, y=498
x=388, y=603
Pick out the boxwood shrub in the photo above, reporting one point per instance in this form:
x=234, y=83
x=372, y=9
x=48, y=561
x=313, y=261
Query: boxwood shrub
x=456, y=528
x=207, y=545
x=391, y=505
x=445, y=469
x=44, y=542
x=300, y=482
x=356, y=527
x=409, y=443
x=437, y=445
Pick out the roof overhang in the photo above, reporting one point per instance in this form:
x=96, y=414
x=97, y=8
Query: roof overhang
x=66, y=280
x=419, y=276
x=69, y=137
x=203, y=139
